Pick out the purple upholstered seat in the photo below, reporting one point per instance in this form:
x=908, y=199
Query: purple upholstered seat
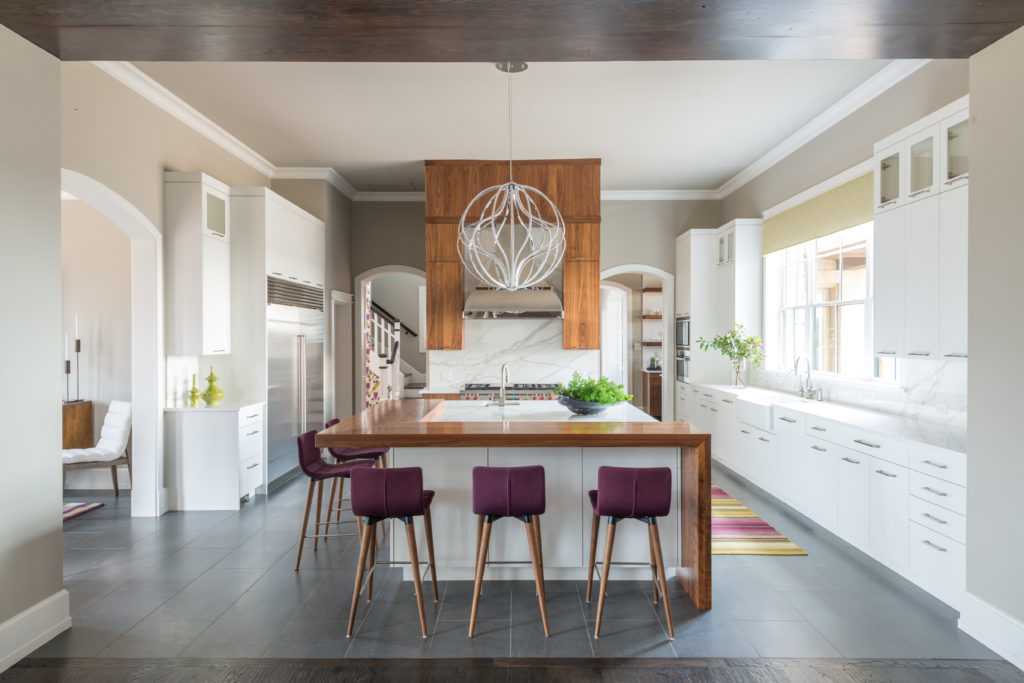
x=316, y=468
x=508, y=491
x=393, y=492
x=343, y=454
x=632, y=492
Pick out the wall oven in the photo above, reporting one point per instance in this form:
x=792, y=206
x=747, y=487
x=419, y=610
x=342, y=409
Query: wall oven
x=683, y=331
x=682, y=365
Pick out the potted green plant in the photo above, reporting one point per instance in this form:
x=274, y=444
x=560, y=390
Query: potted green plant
x=589, y=396
x=741, y=348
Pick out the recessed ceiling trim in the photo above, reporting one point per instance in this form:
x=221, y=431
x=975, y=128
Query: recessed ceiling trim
x=131, y=76
x=325, y=173
x=886, y=78
x=659, y=195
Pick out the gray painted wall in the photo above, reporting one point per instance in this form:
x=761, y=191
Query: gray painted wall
x=30, y=346
x=995, y=466
x=644, y=232
x=388, y=234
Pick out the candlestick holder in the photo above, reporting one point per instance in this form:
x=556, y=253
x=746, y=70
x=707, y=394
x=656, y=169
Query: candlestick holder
x=67, y=381
x=78, y=369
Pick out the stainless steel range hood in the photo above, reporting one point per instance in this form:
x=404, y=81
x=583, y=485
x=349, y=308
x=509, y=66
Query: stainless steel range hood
x=531, y=302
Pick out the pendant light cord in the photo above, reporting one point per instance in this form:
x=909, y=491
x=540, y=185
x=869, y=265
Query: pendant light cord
x=509, y=77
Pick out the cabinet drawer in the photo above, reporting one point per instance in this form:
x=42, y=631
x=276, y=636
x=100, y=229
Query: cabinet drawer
x=250, y=415
x=250, y=474
x=937, y=564
x=884, y=447
x=820, y=428
x=940, y=463
x=942, y=493
x=250, y=441
x=939, y=519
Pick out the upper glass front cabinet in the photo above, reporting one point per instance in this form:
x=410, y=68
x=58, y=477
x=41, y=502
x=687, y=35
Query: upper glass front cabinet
x=889, y=179
x=216, y=215
x=922, y=165
x=956, y=149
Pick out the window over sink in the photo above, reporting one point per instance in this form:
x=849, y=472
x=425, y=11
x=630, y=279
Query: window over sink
x=817, y=303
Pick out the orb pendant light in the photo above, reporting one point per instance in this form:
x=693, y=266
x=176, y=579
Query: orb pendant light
x=511, y=245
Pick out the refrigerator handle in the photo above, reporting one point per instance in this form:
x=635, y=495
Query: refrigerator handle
x=302, y=383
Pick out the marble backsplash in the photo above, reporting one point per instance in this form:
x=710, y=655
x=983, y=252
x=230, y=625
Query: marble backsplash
x=532, y=348
x=927, y=389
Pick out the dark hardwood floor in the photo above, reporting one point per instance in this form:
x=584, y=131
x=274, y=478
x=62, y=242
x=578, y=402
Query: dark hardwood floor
x=512, y=670
x=535, y=30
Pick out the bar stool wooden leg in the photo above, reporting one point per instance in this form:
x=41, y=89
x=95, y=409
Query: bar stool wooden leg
x=341, y=496
x=654, y=568
x=330, y=505
x=609, y=540
x=305, y=523
x=382, y=462
x=481, y=560
x=656, y=544
x=593, y=554
x=414, y=560
x=364, y=547
x=428, y=528
x=372, y=560
x=540, y=546
x=532, y=541
x=319, y=505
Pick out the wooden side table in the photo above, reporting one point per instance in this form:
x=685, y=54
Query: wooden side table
x=77, y=425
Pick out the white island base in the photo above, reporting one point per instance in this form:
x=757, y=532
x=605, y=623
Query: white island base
x=565, y=525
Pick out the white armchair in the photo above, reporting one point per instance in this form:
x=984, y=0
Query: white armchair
x=113, y=448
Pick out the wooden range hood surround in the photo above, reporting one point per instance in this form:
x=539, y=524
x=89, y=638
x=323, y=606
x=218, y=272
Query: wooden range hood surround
x=574, y=185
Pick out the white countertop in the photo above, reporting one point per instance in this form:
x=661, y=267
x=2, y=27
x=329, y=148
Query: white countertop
x=439, y=390
x=932, y=433
x=232, y=407
x=533, y=411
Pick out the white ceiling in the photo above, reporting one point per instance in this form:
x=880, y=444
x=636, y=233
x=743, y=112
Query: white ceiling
x=656, y=125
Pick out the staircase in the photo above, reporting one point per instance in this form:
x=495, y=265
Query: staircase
x=385, y=349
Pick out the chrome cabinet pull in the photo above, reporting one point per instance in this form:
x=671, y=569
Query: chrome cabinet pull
x=885, y=474
x=962, y=176
x=955, y=355
x=713, y=410
x=927, y=189
x=932, y=545
x=744, y=431
x=885, y=204
x=788, y=419
x=819, y=448
x=253, y=433
x=934, y=518
x=725, y=400
x=929, y=489
x=886, y=353
x=936, y=464
x=761, y=438
x=867, y=443
x=218, y=350
x=920, y=353
x=819, y=429
x=702, y=405
x=249, y=417
x=253, y=466
x=852, y=461
x=709, y=395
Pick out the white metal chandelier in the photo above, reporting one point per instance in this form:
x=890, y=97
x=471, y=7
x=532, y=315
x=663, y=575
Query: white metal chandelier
x=511, y=246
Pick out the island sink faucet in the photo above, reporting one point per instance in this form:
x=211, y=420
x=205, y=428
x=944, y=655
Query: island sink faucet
x=501, y=390
x=806, y=389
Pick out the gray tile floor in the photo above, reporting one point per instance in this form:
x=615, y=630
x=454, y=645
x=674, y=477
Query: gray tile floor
x=222, y=585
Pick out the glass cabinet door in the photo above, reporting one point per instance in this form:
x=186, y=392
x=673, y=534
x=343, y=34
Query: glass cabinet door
x=889, y=179
x=956, y=137
x=216, y=214
x=922, y=162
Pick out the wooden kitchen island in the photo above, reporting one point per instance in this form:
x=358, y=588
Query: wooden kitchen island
x=448, y=438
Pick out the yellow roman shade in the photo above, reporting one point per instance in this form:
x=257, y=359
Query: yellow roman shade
x=848, y=205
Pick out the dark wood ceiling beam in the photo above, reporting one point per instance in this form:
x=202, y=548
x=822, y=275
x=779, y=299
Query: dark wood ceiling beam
x=537, y=30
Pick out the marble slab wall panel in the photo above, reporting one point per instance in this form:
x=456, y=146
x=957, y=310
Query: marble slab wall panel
x=928, y=389
x=532, y=348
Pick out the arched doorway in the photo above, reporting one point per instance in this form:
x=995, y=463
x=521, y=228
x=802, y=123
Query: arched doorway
x=667, y=329
x=149, y=497
x=362, y=311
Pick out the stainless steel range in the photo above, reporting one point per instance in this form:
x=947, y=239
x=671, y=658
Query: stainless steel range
x=513, y=392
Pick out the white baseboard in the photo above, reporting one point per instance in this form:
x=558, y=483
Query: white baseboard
x=26, y=631
x=993, y=628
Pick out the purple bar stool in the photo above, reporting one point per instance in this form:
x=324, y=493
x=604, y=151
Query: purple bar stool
x=509, y=492
x=642, y=493
x=318, y=469
x=378, y=456
x=395, y=493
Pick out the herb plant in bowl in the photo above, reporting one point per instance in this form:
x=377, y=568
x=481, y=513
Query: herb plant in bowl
x=588, y=396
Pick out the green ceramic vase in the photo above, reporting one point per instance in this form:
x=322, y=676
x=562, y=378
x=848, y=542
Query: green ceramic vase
x=193, y=395
x=213, y=393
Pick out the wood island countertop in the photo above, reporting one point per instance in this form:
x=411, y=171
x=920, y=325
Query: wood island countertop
x=413, y=422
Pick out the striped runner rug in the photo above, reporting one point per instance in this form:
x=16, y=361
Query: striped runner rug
x=736, y=530
x=72, y=510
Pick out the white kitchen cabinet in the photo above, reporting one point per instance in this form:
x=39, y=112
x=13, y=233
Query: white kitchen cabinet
x=791, y=454
x=684, y=274
x=684, y=402
x=953, y=248
x=295, y=243
x=852, y=496
x=953, y=149
x=937, y=564
x=821, y=482
x=939, y=492
x=887, y=177
x=889, y=245
x=215, y=455
x=888, y=513
x=921, y=151
x=197, y=242
x=921, y=291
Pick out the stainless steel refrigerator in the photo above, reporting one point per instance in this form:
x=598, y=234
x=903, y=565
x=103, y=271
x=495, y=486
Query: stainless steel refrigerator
x=295, y=371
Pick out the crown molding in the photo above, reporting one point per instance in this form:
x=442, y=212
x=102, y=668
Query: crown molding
x=135, y=79
x=887, y=77
x=658, y=195
x=390, y=197
x=824, y=186
x=325, y=173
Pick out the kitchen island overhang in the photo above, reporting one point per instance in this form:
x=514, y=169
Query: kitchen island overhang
x=426, y=432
